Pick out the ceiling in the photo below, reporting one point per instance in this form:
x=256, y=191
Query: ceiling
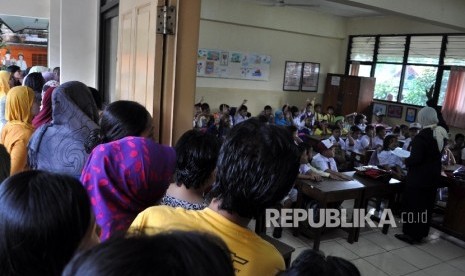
x=20, y=23
x=323, y=6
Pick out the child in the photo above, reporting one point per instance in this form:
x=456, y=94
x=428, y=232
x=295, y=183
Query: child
x=330, y=115
x=388, y=160
x=319, y=116
x=340, y=148
x=366, y=142
x=307, y=130
x=379, y=138
x=322, y=128
x=413, y=131
x=324, y=160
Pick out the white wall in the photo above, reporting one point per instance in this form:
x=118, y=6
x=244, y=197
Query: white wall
x=283, y=33
x=32, y=8
x=79, y=41
x=54, y=50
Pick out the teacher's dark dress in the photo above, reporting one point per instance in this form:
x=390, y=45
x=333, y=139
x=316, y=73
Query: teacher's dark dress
x=424, y=172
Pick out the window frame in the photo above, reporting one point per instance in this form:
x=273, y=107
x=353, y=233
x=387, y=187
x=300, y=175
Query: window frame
x=440, y=65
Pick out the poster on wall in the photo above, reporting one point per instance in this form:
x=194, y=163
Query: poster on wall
x=232, y=65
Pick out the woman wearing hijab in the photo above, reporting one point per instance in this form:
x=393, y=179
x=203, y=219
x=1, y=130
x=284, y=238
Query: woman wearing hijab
x=424, y=172
x=4, y=88
x=45, y=114
x=17, y=131
x=59, y=146
x=125, y=177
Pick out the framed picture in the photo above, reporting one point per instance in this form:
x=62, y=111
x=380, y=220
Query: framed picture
x=381, y=108
x=310, y=75
x=411, y=115
x=395, y=111
x=292, y=76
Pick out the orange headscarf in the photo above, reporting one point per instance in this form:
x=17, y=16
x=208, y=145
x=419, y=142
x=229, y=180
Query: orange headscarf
x=18, y=105
x=4, y=82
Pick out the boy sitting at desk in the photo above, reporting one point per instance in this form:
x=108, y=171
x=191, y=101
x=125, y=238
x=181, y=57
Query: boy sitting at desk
x=324, y=160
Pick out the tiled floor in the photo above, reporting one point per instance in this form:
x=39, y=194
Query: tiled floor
x=378, y=254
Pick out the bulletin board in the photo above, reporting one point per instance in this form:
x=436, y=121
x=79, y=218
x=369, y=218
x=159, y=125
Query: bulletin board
x=233, y=65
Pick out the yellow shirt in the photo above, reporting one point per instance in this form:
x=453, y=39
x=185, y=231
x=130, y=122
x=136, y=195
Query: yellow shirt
x=15, y=138
x=250, y=253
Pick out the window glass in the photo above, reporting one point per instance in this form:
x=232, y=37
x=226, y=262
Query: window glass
x=362, y=48
x=391, y=49
x=455, y=52
x=424, y=49
x=417, y=81
x=442, y=91
x=387, y=81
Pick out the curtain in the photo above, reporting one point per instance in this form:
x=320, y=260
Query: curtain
x=453, y=109
x=354, y=68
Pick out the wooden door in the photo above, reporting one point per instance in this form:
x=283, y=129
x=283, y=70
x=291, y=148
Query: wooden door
x=140, y=56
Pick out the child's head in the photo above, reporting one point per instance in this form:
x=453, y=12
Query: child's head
x=224, y=108
x=268, y=110
x=414, y=129
x=295, y=111
x=381, y=131
x=205, y=108
x=369, y=130
x=326, y=148
x=293, y=130
x=459, y=139
x=243, y=110
x=330, y=110
x=390, y=142
x=308, y=122
x=379, y=117
x=318, y=108
x=360, y=119
x=305, y=153
x=336, y=132
x=355, y=132
x=308, y=108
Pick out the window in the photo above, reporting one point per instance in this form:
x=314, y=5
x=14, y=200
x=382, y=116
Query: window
x=406, y=66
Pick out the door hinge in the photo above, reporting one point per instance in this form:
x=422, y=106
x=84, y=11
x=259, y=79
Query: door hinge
x=166, y=20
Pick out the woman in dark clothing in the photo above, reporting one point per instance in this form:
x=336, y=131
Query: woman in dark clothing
x=424, y=171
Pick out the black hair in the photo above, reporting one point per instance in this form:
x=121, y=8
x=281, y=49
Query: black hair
x=198, y=105
x=359, y=119
x=196, y=156
x=35, y=81
x=267, y=107
x=387, y=141
x=317, y=105
x=355, y=128
x=294, y=109
x=13, y=69
x=170, y=253
x=257, y=166
x=5, y=160
x=243, y=107
x=97, y=97
x=292, y=129
x=379, y=129
x=396, y=130
x=330, y=107
x=369, y=127
x=311, y=262
x=284, y=107
x=459, y=135
x=43, y=220
x=204, y=106
x=119, y=119
x=56, y=70
x=222, y=106
x=262, y=118
x=303, y=147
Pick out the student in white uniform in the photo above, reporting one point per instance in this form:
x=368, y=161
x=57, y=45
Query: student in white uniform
x=324, y=160
x=413, y=131
x=388, y=160
x=379, y=138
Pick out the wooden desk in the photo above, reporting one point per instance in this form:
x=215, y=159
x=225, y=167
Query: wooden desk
x=454, y=222
x=375, y=188
x=329, y=191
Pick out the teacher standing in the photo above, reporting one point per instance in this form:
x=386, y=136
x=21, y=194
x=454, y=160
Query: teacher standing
x=424, y=172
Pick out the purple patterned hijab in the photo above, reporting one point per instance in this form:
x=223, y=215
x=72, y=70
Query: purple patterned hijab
x=125, y=177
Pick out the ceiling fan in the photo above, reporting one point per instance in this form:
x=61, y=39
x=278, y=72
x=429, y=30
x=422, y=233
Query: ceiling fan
x=282, y=3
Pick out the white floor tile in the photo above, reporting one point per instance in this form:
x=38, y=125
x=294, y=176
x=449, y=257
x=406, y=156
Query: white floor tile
x=367, y=269
x=363, y=247
x=443, y=269
x=333, y=248
x=458, y=263
x=416, y=257
x=387, y=242
x=442, y=249
x=418, y=273
x=290, y=240
x=391, y=264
